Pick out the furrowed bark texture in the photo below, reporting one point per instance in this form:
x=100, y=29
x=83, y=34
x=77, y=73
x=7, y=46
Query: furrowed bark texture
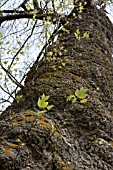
x=71, y=136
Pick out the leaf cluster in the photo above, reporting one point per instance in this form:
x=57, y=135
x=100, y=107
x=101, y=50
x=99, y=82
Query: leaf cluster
x=80, y=94
x=43, y=104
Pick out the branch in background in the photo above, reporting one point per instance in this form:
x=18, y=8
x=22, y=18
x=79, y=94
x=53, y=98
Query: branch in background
x=23, y=44
x=4, y=3
x=3, y=101
x=55, y=32
x=16, y=16
x=7, y=92
x=61, y=22
x=41, y=15
x=36, y=4
x=11, y=77
x=23, y=5
x=15, y=90
x=11, y=11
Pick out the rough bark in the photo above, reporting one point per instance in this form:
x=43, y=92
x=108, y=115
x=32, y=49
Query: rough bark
x=71, y=136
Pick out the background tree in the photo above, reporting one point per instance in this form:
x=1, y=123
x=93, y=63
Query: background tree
x=62, y=116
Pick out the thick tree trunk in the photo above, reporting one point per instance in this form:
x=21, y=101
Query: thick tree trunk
x=71, y=136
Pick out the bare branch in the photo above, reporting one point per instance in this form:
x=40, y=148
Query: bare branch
x=12, y=78
x=41, y=15
x=23, y=44
x=55, y=32
x=11, y=11
x=7, y=92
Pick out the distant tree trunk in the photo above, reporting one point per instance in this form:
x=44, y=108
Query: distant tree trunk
x=72, y=135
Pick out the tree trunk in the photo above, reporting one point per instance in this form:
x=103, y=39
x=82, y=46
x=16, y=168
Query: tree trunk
x=72, y=135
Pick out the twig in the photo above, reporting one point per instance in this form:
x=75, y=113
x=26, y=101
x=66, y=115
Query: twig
x=23, y=44
x=12, y=78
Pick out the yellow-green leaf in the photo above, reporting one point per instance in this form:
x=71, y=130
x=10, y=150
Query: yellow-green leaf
x=100, y=142
x=71, y=97
x=46, y=25
x=81, y=8
x=7, y=42
x=19, y=42
x=78, y=32
x=86, y=35
x=34, y=17
x=28, y=8
x=74, y=100
x=42, y=101
x=63, y=64
x=83, y=101
x=81, y=94
x=50, y=53
x=1, y=35
x=49, y=107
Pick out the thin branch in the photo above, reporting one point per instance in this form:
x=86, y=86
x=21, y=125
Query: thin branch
x=3, y=101
x=12, y=78
x=23, y=44
x=4, y=3
x=55, y=32
x=7, y=92
x=11, y=11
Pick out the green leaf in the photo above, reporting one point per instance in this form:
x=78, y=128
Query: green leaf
x=81, y=94
x=54, y=67
x=71, y=97
x=65, y=30
x=6, y=79
x=15, y=70
x=86, y=35
x=74, y=100
x=45, y=97
x=1, y=42
x=49, y=107
x=28, y=8
x=34, y=17
x=42, y=101
x=100, y=142
x=17, y=140
x=1, y=35
x=83, y=101
x=81, y=8
x=8, y=42
x=77, y=31
x=77, y=34
x=47, y=25
x=50, y=12
x=50, y=53
x=19, y=97
x=21, y=52
x=19, y=42
x=5, y=62
x=49, y=33
x=63, y=64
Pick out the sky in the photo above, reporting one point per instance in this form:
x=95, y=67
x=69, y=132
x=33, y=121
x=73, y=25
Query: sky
x=109, y=10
